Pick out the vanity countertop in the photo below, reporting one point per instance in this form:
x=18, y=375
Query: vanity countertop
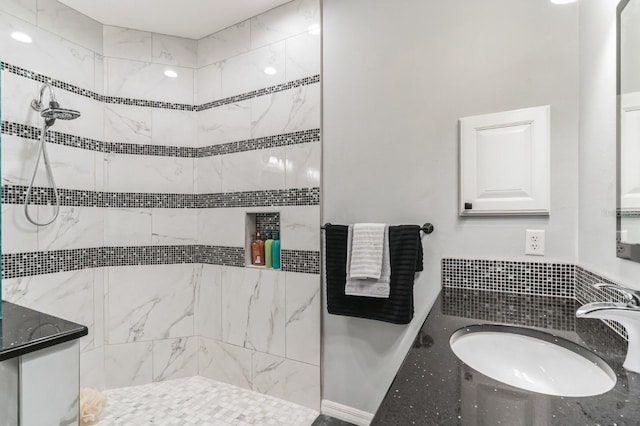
x=24, y=330
x=433, y=387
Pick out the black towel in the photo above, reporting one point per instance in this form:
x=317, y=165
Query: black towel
x=405, y=252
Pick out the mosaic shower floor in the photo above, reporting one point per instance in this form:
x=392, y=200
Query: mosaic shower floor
x=198, y=401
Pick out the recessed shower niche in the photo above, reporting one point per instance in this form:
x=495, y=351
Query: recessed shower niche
x=267, y=226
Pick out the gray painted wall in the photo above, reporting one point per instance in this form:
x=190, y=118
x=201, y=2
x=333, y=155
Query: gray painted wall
x=597, y=234
x=396, y=78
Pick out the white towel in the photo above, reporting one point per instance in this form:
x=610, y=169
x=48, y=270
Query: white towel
x=366, y=250
x=369, y=287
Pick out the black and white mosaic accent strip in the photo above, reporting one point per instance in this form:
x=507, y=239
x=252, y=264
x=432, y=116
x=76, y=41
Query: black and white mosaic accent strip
x=587, y=293
x=31, y=132
x=528, y=310
x=154, y=104
x=304, y=261
x=15, y=265
x=260, y=92
x=267, y=222
x=548, y=279
x=15, y=194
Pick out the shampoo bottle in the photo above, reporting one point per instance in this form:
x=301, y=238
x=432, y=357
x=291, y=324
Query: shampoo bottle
x=275, y=251
x=257, y=251
x=268, y=252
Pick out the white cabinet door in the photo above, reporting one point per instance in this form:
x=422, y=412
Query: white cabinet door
x=630, y=151
x=504, y=163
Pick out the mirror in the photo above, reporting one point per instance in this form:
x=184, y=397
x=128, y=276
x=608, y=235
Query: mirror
x=628, y=85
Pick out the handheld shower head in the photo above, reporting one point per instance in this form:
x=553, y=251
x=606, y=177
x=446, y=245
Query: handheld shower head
x=54, y=111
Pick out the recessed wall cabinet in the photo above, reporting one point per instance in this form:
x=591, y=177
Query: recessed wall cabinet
x=504, y=163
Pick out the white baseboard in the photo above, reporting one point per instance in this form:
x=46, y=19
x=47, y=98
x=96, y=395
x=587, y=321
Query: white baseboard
x=346, y=413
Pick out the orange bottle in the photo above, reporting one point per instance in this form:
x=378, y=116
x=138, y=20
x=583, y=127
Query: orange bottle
x=257, y=250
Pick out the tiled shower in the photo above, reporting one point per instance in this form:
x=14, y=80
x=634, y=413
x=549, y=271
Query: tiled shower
x=157, y=179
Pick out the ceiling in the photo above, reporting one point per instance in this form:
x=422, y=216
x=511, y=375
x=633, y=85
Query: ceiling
x=183, y=18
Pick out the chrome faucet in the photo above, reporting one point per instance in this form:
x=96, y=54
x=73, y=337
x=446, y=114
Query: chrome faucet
x=626, y=313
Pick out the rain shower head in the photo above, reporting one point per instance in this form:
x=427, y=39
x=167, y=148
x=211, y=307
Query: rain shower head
x=60, y=113
x=54, y=111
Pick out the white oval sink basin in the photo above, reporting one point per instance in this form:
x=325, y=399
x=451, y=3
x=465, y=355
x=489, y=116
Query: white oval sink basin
x=532, y=360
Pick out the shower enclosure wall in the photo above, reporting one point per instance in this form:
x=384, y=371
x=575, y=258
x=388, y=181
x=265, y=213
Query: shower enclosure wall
x=156, y=179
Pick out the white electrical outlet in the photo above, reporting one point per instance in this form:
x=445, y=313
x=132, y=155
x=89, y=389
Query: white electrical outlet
x=534, y=245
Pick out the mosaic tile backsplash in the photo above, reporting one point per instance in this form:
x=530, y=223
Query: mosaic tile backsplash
x=538, y=279
x=549, y=279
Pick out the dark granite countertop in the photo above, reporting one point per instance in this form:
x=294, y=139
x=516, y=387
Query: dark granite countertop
x=24, y=330
x=433, y=387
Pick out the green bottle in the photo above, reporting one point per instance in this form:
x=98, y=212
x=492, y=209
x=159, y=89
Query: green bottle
x=267, y=251
x=275, y=251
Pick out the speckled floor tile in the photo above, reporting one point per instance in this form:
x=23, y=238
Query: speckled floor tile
x=199, y=401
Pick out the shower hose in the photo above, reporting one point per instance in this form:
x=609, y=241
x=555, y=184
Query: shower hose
x=42, y=151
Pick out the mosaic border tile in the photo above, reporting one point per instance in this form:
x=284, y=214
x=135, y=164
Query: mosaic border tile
x=305, y=261
x=529, y=310
x=15, y=265
x=260, y=92
x=267, y=222
x=587, y=293
x=32, y=75
x=540, y=278
x=33, y=133
x=15, y=194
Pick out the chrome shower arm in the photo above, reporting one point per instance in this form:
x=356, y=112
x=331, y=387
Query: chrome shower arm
x=37, y=103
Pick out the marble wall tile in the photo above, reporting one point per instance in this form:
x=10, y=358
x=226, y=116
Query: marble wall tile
x=285, y=21
x=129, y=364
x=66, y=22
x=127, y=227
x=150, y=302
x=126, y=43
x=209, y=302
x=254, y=170
x=287, y=111
x=92, y=369
x=143, y=80
x=228, y=123
x=68, y=295
x=153, y=174
x=18, y=159
x=303, y=165
x=224, y=44
x=173, y=128
x=49, y=54
x=253, y=309
x=209, y=80
x=99, y=290
x=175, y=358
x=245, y=72
x=300, y=228
x=287, y=379
x=174, y=226
x=75, y=227
x=72, y=168
x=90, y=124
x=303, y=56
x=303, y=317
x=27, y=10
x=99, y=76
x=127, y=123
x=170, y=50
x=221, y=227
x=17, y=93
x=226, y=363
x=208, y=175
x=18, y=235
